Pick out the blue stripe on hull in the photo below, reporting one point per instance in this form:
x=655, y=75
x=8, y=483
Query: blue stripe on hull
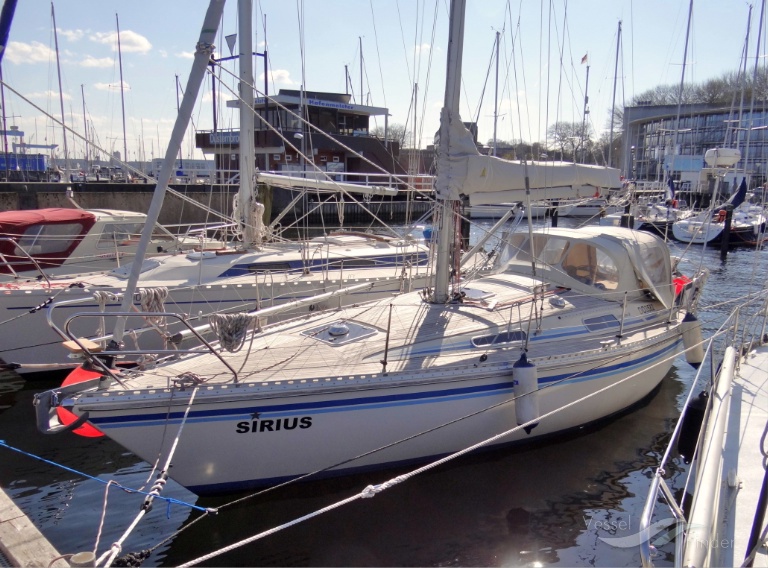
x=426, y=397
x=235, y=486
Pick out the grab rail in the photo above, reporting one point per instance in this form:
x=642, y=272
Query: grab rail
x=25, y=254
x=736, y=333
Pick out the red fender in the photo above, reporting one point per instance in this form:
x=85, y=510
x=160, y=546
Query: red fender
x=66, y=417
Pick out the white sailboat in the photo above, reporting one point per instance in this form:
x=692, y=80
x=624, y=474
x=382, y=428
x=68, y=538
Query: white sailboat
x=747, y=224
x=573, y=326
x=252, y=273
x=656, y=216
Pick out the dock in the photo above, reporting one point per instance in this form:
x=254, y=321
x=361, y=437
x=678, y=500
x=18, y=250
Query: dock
x=21, y=543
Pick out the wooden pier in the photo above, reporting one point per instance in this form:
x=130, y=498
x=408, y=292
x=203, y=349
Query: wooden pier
x=21, y=544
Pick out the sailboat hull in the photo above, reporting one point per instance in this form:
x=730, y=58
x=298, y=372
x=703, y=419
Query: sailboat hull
x=257, y=434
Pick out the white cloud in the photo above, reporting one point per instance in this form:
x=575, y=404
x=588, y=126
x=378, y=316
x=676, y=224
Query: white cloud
x=35, y=52
x=279, y=77
x=45, y=95
x=111, y=86
x=71, y=35
x=89, y=61
x=423, y=48
x=162, y=53
x=130, y=41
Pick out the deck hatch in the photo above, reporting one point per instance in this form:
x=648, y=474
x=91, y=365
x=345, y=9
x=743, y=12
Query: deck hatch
x=329, y=333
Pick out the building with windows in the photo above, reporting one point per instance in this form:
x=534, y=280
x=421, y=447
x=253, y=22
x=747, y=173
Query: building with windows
x=661, y=141
x=340, y=133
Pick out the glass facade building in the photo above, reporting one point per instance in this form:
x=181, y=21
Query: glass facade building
x=664, y=141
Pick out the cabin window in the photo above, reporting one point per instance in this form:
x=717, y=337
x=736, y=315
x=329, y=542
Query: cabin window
x=655, y=263
x=590, y=265
x=119, y=234
x=48, y=239
x=549, y=250
x=499, y=338
x=601, y=322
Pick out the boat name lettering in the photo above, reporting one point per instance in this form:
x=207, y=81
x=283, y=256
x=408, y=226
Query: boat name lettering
x=645, y=309
x=273, y=424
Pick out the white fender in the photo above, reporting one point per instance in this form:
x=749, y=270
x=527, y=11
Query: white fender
x=525, y=387
x=692, y=340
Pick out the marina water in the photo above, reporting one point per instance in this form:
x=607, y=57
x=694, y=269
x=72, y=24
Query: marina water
x=569, y=502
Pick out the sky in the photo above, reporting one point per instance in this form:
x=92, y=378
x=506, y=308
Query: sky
x=542, y=77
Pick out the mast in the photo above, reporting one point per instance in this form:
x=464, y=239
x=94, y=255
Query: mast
x=122, y=89
x=447, y=208
x=247, y=146
x=496, y=97
x=613, y=103
x=682, y=81
x=584, y=118
x=176, y=83
x=5, y=124
x=85, y=129
x=360, y=40
x=61, y=93
x=754, y=82
x=204, y=48
x=6, y=17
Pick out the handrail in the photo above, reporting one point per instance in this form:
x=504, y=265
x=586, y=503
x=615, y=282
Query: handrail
x=116, y=353
x=188, y=332
x=734, y=330
x=25, y=254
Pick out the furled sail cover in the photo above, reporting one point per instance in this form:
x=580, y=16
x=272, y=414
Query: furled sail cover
x=488, y=180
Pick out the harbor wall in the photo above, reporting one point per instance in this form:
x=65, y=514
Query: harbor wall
x=176, y=211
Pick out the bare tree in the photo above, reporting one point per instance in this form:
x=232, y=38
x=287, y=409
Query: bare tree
x=568, y=137
x=395, y=132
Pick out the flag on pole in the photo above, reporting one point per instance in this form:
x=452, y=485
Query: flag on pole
x=584, y=59
x=670, y=193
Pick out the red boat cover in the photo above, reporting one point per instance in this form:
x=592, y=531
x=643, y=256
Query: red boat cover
x=13, y=225
x=16, y=222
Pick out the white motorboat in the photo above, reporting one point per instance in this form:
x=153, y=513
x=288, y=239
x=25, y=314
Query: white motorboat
x=61, y=241
x=574, y=326
x=718, y=518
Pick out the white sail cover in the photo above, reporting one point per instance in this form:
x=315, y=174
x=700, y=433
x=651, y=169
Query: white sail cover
x=488, y=180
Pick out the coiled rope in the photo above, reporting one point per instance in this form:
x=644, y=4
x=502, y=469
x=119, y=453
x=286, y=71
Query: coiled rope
x=153, y=300
x=102, y=297
x=230, y=329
